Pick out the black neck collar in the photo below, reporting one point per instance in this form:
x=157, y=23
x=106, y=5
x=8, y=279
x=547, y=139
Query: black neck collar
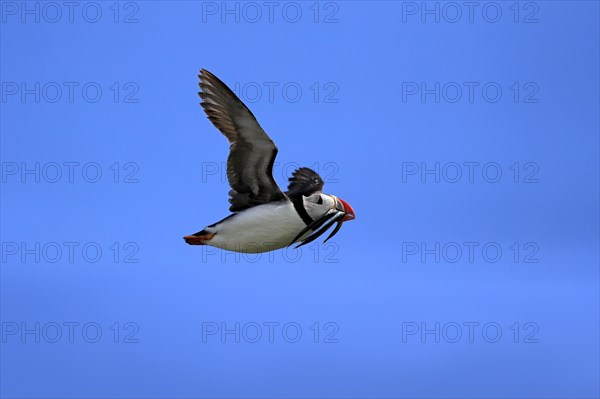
x=298, y=202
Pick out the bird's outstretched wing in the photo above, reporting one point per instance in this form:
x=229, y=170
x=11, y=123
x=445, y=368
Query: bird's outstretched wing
x=304, y=181
x=251, y=152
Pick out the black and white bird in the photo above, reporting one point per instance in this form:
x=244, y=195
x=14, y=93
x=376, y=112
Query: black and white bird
x=264, y=218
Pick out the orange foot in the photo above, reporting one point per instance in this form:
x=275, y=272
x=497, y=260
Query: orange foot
x=198, y=240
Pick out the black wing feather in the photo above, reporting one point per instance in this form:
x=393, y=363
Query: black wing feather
x=304, y=181
x=251, y=152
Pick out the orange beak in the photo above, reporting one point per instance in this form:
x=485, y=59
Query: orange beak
x=347, y=209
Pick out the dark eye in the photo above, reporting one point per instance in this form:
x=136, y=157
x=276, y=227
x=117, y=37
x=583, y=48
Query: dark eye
x=320, y=200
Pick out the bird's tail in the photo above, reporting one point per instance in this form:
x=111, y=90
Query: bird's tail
x=199, y=238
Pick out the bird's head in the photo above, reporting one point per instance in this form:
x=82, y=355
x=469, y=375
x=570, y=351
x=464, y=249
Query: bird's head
x=325, y=210
x=318, y=204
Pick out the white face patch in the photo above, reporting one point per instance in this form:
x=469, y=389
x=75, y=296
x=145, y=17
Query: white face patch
x=317, y=204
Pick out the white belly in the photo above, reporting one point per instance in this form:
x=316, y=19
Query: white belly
x=258, y=229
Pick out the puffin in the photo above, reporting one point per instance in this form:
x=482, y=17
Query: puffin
x=263, y=218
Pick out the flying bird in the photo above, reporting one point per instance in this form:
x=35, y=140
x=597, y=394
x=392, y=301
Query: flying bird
x=263, y=218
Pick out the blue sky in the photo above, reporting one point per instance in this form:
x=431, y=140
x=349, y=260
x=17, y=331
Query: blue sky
x=465, y=138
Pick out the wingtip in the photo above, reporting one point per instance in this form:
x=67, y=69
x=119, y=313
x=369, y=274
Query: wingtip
x=204, y=73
